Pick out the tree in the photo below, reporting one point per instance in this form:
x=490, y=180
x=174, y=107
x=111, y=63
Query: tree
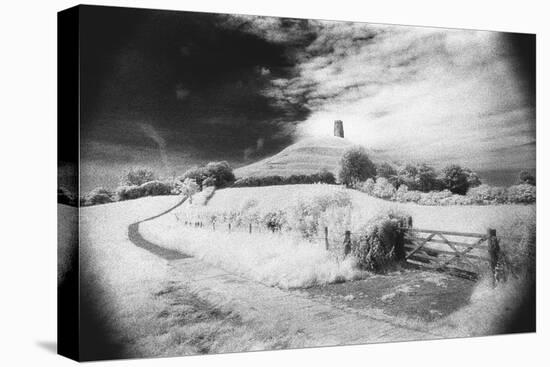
x=387, y=171
x=221, y=172
x=137, y=176
x=407, y=176
x=473, y=178
x=189, y=187
x=425, y=178
x=527, y=178
x=356, y=167
x=455, y=179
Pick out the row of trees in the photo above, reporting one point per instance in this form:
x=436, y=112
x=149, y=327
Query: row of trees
x=356, y=168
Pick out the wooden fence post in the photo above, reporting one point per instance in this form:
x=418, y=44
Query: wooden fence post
x=249, y=228
x=347, y=243
x=229, y=226
x=494, y=251
x=409, y=221
x=213, y=226
x=326, y=238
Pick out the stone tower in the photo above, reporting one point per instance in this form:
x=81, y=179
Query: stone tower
x=339, y=129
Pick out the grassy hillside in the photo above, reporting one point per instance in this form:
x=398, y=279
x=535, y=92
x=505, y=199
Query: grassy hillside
x=305, y=157
x=451, y=218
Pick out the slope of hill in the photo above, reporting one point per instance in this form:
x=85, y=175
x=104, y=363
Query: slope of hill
x=308, y=156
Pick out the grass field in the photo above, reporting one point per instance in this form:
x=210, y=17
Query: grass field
x=288, y=260
x=139, y=310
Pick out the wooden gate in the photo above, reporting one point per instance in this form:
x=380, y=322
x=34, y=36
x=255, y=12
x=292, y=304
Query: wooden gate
x=462, y=253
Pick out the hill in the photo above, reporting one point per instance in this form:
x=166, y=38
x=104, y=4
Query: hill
x=308, y=156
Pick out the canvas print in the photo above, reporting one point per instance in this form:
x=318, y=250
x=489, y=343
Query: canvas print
x=235, y=183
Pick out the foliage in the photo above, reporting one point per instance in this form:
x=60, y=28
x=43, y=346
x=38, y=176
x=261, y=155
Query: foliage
x=65, y=196
x=321, y=177
x=387, y=171
x=523, y=193
x=151, y=188
x=383, y=188
x=218, y=174
x=455, y=179
x=485, y=194
x=98, y=195
x=527, y=178
x=137, y=177
x=381, y=245
x=355, y=167
x=189, y=188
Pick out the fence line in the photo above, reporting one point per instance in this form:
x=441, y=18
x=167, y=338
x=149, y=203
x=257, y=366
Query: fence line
x=416, y=247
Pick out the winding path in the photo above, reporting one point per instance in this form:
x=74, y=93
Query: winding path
x=162, y=252
x=317, y=323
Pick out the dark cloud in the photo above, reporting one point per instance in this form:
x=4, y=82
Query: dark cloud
x=193, y=79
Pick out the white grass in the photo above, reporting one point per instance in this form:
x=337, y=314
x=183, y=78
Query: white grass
x=451, y=218
x=279, y=260
x=285, y=260
x=126, y=280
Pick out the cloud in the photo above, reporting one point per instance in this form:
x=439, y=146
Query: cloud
x=428, y=94
x=152, y=133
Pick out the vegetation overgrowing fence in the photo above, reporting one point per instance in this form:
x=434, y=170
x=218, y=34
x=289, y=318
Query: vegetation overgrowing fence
x=460, y=253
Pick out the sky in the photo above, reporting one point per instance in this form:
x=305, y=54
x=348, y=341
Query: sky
x=169, y=90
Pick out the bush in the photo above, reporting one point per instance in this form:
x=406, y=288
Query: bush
x=218, y=174
x=98, y=196
x=366, y=187
x=485, y=194
x=129, y=192
x=137, y=176
x=65, y=196
x=356, y=167
x=403, y=195
x=155, y=188
x=527, y=178
x=383, y=189
x=455, y=179
x=434, y=197
x=523, y=193
x=381, y=246
x=321, y=177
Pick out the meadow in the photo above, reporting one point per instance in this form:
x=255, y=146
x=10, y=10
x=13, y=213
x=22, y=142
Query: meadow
x=293, y=253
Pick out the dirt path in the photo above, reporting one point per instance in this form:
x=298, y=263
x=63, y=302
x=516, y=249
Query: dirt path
x=135, y=237
x=318, y=321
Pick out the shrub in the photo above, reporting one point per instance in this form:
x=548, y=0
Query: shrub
x=527, y=178
x=304, y=216
x=155, y=188
x=403, y=194
x=366, y=187
x=485, y=194
x=98, y=195
x=434, y=197
x=137, y=176
x=65, y=196
x=455, y=179
x=220, y=172
x=425, y=178
x=381, y=246
x=383, y=189
x=129, y=192
x=523, y=193
x=321, y=177
x=387, y=171
x=189, y=188
x=356, y=167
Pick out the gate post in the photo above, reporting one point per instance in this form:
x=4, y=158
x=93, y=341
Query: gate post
x=326, y=238
x=494, y=251
x=347, y=243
